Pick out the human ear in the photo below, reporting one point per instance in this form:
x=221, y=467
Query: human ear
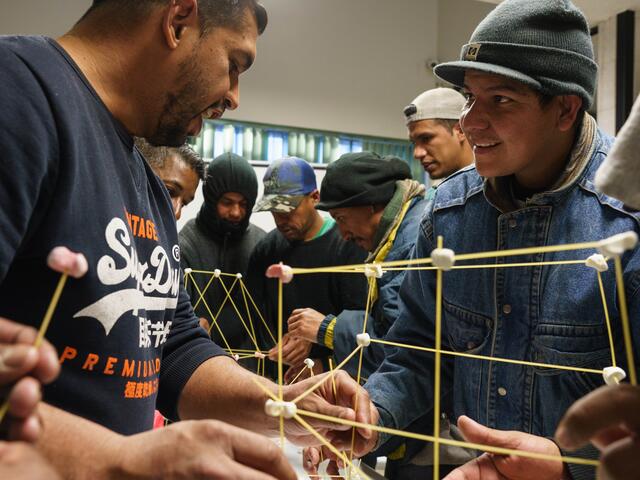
x=179, y=16
x=569, y=107
x=458, y=133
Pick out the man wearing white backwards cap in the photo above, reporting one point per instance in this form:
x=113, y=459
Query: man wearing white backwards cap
x=433, y=120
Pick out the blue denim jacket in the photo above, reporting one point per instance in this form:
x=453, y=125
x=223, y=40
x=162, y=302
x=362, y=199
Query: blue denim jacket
x=548, y=314
x=385, y=310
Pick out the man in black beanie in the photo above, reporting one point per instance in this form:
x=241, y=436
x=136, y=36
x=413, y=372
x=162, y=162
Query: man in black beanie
x=529, y=75
x=221, y=237
x=377, y=205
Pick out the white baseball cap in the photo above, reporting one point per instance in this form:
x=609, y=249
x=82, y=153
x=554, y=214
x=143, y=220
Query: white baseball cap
x=438, y=103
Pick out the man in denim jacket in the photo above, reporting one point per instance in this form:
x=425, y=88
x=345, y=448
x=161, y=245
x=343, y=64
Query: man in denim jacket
x=528, y=75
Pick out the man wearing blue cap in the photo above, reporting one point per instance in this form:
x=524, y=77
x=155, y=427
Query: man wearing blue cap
x=529, y=76
x=302, y=239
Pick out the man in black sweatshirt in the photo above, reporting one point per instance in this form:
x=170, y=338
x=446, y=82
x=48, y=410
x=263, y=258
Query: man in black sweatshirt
x=303, y=238
x=221, y=237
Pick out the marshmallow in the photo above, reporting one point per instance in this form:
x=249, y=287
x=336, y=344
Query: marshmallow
x=238, y=276
x=373, y=270
x=281, y=271
x=363, y=339
x=309, y=363
x=188, y=270
x=259, y=355
x=217, y=273
x=618, y=244
x=613, y=375
x=597, y=262
x=63, y=260
x=279, y=408
x=443, y=258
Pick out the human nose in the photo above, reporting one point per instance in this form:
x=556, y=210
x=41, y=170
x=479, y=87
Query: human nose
x=474, y=117
x=419, y=152
x=235, y=212
x=344, y=232
x=232, y=97
x=177, y=207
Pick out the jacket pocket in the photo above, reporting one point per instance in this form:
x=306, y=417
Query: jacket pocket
x=466, y=331
x=585, y=346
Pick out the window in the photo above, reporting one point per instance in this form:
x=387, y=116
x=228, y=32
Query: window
x=268, y=142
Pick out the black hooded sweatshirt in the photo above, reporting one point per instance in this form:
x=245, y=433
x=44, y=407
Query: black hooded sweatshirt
x=210, y=242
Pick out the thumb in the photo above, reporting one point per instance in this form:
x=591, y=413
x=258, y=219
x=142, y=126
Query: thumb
x=477, y=433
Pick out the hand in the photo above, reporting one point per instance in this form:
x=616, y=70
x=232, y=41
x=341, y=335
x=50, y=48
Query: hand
x=295, y=370
x=20, y=461
x=490, y=466
x=24, y=367
x=205, y=449
x=294, y=350
x=204, y=323
x=609, y=417
x=350, y=402
x=311, y=459
x=305, y=323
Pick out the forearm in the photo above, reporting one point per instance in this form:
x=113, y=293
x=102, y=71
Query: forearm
x=76, y=447
x=221, y=389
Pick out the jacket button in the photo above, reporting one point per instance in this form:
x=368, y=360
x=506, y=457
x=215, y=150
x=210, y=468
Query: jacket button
x=471, y=345
x=506, y=309
x=502, y=392
x=513, y=223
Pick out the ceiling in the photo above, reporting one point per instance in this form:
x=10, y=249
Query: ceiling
x=598, y=10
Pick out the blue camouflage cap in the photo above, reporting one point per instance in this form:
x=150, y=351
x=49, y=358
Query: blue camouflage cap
x=286, y=182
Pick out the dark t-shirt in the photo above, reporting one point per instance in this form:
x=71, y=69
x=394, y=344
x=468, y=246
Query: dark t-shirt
x=70, y=175
x=328, y=293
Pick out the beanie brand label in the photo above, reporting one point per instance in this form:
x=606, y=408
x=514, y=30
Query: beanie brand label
x=472, y=51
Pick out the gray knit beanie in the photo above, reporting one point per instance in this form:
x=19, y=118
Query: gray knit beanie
x=545, y=44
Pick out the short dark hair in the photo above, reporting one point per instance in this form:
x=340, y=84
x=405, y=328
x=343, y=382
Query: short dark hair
x=447, y=123
x=157, y=156
x=545, y=100
x=213, y=13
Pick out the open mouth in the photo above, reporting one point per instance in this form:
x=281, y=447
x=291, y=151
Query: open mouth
x=485, y=147
x=212, y=113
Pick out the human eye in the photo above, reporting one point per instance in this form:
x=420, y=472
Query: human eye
x=501, y=99
x=172, y=191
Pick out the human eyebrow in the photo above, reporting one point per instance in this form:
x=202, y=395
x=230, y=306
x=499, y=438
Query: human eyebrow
x=173, y=184
x=498, y=88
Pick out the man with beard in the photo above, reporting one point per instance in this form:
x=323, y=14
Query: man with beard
x=221, y=237
x=125, y=332
x=302, y=239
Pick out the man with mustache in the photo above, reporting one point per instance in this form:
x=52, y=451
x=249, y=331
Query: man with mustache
x=528, y=74
x=221, y=237
x=125, y=332
x=302, y=238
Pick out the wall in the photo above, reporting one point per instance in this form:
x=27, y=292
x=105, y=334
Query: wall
x=461, y=18
x=40, y=17
x=339, y=65
x=606, y=54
